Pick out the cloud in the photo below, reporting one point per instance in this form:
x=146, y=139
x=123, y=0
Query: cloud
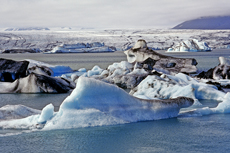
x=107, y=13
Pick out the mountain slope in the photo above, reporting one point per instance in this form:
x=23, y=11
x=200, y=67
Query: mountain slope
x=216, y=22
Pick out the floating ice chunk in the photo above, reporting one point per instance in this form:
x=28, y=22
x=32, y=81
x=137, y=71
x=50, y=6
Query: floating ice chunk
x=192, y=45
x=96, y=103
x=124, y=65
x=82, y=48
x=96, y=70
x=46, y=114
x=168, y=86
x=82, y=70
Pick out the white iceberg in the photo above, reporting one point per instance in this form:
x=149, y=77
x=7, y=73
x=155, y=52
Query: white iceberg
x=82, y=48
x=168, y=86
x=191, y=45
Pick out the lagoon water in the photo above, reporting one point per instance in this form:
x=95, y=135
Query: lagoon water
x=182, y=134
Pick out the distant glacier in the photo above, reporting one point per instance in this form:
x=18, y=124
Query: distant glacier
x=121, y=39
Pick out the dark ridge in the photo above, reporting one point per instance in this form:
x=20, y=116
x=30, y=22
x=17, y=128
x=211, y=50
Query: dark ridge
x=206, y=23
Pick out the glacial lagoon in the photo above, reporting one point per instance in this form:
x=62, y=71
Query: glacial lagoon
x=207, y=133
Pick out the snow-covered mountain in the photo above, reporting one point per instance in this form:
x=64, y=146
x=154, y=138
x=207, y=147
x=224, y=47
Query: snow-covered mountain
x=213, y=22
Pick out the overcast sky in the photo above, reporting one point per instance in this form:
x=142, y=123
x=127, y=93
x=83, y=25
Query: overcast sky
x=107, y=13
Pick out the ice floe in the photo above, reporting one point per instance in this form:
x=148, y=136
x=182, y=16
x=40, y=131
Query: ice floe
x=82, y=48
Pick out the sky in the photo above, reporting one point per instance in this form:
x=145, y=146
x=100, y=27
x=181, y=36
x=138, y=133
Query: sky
x=107, y=13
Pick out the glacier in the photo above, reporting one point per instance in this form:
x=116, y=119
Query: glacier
x=122, y=39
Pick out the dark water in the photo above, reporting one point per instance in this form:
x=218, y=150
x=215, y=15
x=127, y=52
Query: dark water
x=195, y=134
x=74, y=60
x=189, y=134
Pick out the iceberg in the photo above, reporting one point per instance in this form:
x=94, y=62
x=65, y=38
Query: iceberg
x=145, y=56
x=168, y=86
x=96, y=103
x=191, y=45
x=219, y=72
x=57, y=69
x=37, y=83
x=32, y=77
x=82, y=48
x=16, y=51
